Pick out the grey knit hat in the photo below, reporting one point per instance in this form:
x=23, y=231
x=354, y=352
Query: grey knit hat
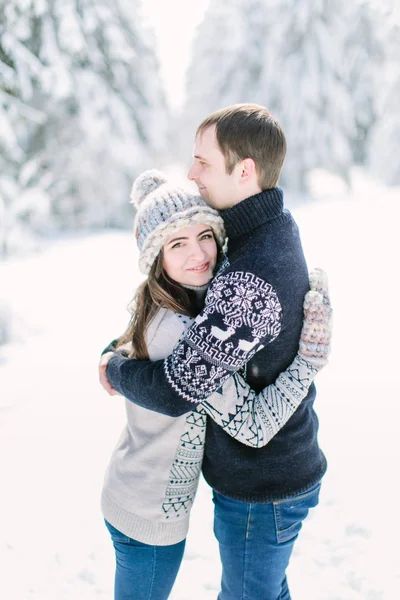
x=163, y=208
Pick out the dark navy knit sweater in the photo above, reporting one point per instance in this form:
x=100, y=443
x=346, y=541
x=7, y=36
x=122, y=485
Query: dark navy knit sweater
x=251, y=321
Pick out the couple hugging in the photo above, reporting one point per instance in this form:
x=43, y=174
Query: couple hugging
x=216, y=366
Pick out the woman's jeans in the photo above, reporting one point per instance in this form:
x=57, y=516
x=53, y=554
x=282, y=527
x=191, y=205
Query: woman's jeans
x=144, y=572
x=255, y=544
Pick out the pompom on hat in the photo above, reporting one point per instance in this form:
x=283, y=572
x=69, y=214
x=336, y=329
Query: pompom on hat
x=162, y=209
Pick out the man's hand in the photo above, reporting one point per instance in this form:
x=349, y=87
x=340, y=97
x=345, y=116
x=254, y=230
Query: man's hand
x=102, y=374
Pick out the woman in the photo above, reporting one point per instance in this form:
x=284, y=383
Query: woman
x=153, y=474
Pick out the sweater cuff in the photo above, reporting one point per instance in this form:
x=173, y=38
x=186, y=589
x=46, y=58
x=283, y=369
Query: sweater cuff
x=113, y=371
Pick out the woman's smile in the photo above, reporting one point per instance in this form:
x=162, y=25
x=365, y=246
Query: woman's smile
x=201, y=268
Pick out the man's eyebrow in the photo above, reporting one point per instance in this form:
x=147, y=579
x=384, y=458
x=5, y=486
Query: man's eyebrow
x=200, y=157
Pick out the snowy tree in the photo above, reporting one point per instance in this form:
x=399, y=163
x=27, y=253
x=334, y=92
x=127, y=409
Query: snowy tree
x=225, y=68
x=311, y=100
x=82, y=110
x=19, y=73
x=313, y=64
x=292, y=60
x=364, y=60
x=384, y=141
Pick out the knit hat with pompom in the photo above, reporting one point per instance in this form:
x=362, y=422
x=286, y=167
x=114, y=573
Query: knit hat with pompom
x=162, y=209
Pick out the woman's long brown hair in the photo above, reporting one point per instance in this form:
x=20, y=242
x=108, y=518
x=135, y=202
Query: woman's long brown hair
x=157, y=291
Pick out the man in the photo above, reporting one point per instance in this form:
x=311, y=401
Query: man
x=251, y=322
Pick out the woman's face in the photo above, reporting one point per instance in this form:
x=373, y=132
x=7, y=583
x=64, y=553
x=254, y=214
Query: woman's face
x=190, y=255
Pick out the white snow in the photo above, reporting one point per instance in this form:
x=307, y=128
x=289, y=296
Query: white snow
x=57, y=426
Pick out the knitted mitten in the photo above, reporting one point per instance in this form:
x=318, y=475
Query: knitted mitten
x=316, y=334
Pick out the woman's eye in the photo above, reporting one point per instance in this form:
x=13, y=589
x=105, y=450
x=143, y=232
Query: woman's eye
x=206, y=236
x=177, y=245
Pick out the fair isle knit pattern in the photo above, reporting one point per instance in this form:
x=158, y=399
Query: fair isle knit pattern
x=250, y=311
x=186, y=468
x=254, y=419
x=163, y=209
x=185, y=471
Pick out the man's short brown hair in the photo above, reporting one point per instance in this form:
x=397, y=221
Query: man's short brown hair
x=249, y=131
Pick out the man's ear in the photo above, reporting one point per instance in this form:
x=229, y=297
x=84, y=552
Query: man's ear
x=248, y=170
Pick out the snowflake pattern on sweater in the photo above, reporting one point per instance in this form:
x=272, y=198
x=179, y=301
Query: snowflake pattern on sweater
x=241, y=315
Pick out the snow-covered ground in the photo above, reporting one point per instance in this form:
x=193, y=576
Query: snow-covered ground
x=57, y=426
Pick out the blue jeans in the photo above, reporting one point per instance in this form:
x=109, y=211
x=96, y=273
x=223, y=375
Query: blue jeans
x=255, y=544
x=144, y=572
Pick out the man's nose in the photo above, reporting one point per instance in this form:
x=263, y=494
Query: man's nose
x=192, y=173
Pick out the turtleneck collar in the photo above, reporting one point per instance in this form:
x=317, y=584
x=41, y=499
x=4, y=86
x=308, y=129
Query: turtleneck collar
x=197, y=288
x=253, y=212
x=200, y=292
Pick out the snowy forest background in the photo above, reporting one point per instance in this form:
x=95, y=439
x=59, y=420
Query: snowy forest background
x=84, y=107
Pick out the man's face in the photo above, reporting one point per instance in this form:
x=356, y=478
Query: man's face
x=208, y=171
